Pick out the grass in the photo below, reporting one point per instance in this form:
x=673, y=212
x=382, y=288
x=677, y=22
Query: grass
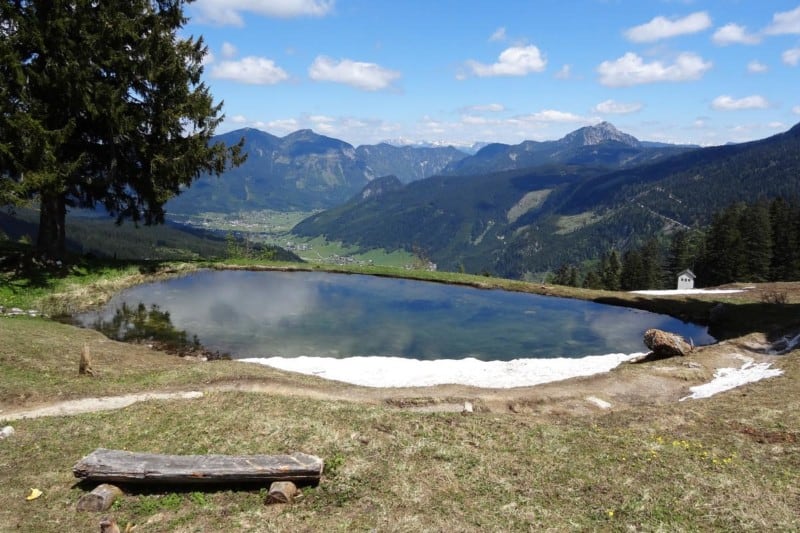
x=687, y=466
x=569, y=223
x=727, y=463
x=322, y=251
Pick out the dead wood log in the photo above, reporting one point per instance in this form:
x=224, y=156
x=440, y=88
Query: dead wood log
x=281, y=492
x=115, y=466
x=100, y=499
x=85, y=365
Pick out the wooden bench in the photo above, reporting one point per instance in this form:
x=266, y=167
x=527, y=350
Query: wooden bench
x=116, y=466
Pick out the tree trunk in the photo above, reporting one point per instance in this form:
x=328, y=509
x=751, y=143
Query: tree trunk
x=52, y=225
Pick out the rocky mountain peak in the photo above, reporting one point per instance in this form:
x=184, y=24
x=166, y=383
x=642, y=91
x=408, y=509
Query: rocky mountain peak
x=598, y=134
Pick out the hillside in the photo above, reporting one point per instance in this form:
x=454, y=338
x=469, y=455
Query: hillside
x=304, y=171
x=97, y=235
x=454, y=220
x=516, y=222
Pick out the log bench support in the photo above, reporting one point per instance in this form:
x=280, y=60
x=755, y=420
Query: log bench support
x=115, y=466
x=100, y=499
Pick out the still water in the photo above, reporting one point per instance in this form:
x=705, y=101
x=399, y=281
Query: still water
x=291, y=314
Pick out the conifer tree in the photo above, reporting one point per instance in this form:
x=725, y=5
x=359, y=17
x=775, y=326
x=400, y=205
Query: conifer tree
x=724, y=250
x=784, y=223
x=611, y=271
x=680, y=254
x=632, y=277
x=652, y=268
x=592, y=281
x=101, y=103
x=754, y=226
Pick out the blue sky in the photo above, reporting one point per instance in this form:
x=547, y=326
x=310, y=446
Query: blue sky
x=364, y=71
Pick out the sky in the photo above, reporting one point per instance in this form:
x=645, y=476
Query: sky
x=465, y=71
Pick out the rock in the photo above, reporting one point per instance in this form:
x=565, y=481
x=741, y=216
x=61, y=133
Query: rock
x=468, y=408
x=281, y=492
x=6, y=432
x=664, y=344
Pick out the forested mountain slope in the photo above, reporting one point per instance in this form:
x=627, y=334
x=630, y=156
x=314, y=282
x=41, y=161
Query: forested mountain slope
x=304, y=171
x=536, y=219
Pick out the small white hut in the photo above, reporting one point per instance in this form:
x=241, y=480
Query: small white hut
x=686, y=280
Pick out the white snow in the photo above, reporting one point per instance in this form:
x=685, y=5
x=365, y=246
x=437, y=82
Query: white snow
x=730, y=378
x=689, y=291
x=602, y=404
x=401, y=372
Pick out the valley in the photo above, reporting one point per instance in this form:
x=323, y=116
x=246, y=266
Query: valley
x=275, y=228
x=516, y=211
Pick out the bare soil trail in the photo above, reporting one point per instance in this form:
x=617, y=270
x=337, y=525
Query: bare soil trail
x=628, y=386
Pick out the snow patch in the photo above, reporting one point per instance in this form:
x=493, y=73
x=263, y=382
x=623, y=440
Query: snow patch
x=730, y=378
x=602, y=404
x=402, y=372
x=689, y=291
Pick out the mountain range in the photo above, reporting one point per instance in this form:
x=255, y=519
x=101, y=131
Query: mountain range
x=533, y=219
x=598, y=145
x=306, y=171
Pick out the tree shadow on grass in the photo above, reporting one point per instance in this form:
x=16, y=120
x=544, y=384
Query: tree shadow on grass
x=22, y=267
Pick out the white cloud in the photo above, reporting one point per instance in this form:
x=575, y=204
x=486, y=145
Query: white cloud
x=513, y=61
x=728, y=103
x=491, y=108
x=734, y=34
x=320, y=119
x=473, y=120
x=238, y=119
x=208, y=58
x=664, y=28
x=785, y=22
x=228, y=50
x=251, y=70
x=285, y=124
x=796, y=110
x=791, y=56
x=552, y=115
x=756, y=67
x=498, y=35
x=776, y=125
x=564, y=73
x=229, y=12
x=366, y=76
x=631, y=69
x=611, y=107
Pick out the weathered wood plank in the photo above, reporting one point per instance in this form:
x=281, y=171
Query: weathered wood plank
x=116, y=466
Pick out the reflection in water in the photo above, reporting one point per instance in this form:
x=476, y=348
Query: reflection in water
x=135, y=324
x=257, y=314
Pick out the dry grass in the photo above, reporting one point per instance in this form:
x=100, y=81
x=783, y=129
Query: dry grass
x=727, y=463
